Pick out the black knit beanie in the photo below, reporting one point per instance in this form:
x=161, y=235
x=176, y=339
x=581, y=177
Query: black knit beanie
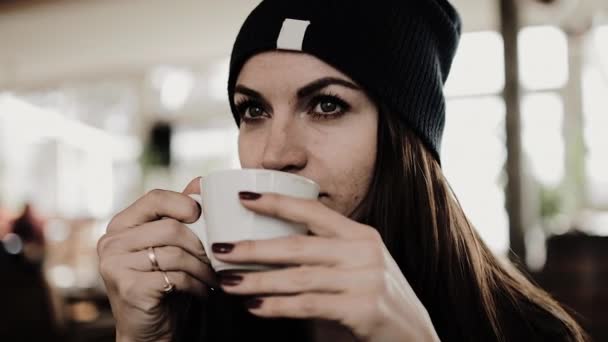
x=399, y=51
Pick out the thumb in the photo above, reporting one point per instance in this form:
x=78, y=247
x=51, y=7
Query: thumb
x=194, y=187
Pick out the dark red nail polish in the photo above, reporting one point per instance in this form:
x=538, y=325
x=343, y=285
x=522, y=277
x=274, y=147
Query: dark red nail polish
x=230, y=279
x=249, y=196
x=222, y=248
x=253, y=303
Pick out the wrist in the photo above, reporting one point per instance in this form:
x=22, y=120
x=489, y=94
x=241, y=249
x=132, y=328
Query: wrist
x=429, y=335
x=122, y=338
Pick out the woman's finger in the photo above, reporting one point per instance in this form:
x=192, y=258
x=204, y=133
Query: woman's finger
x=171, y=258
x=301, y=250
x=155, y=205
x=168, y=232
x=301, y=279
x=304, y=306
x=318, y=218
x=194, y=187
x=147, y=285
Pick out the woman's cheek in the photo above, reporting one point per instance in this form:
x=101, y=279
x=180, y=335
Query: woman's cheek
x=251, y=145
x=247, y=152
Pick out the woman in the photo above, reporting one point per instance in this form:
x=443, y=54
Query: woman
x=349, y=94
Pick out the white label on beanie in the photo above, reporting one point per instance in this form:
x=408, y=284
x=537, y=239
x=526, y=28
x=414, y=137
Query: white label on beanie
x=292, y=34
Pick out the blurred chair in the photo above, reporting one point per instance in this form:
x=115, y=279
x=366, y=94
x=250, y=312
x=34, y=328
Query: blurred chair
x=576, y=274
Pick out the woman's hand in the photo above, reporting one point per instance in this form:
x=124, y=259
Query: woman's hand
x=134, y=288
x=344, y=274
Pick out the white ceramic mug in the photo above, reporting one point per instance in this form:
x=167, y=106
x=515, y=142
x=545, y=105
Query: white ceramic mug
x=225, y=219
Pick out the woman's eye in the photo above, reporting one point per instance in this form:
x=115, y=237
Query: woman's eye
x=254, y=111
x=327, y=106
x=250, y=110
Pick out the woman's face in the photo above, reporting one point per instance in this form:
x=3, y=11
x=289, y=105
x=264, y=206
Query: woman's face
x=300, y=115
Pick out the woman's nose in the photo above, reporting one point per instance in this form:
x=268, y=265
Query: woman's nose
x=285, y=150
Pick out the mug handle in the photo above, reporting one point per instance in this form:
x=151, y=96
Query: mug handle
x=200, y=228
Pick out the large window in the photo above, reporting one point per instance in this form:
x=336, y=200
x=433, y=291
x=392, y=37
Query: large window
x=474, y=145
x=595, y=104
x=473, y=156
x=473, y=152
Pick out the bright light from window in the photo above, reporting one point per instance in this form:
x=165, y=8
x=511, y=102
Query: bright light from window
x=542, y=120
x=98, y=184
x=472, y=157
x=18, y=115
x=543, y=57
x=62, y=276
x=601, y=46
x=57, y=230
x=478, y=66
x=175, y=86
x=218, y=80
x=204, y=143
x=75, y=158
x=595, y=108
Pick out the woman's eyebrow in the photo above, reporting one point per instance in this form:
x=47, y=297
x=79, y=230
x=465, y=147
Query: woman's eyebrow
x=303, y=92
x=321, y=83
x=251, y=93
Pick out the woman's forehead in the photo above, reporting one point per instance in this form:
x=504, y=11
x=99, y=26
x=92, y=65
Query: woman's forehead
x=284, y=67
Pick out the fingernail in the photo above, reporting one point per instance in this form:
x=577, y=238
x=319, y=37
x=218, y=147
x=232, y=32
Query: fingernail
x=222, y=248
x=249, y=196
x=230, y=279
x=253, y=303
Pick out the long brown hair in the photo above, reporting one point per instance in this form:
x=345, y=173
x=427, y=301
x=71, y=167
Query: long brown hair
x=470, y=295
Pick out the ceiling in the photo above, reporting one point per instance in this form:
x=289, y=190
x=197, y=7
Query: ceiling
x=48, y=40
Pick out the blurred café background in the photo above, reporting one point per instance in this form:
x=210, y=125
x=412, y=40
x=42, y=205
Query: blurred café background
x=103, y=100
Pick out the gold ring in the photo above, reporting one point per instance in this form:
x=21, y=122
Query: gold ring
x=153, y=259
x=169, y=286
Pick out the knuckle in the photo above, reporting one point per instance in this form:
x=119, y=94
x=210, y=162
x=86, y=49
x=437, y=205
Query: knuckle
x=106, y=268
x=155, y=194
x=376, y=256
x=101, y=244
x=105, y=242
x=113, y=224
x=372, y=257
x=375, y=253
x=304, y=277
x=372, y=234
